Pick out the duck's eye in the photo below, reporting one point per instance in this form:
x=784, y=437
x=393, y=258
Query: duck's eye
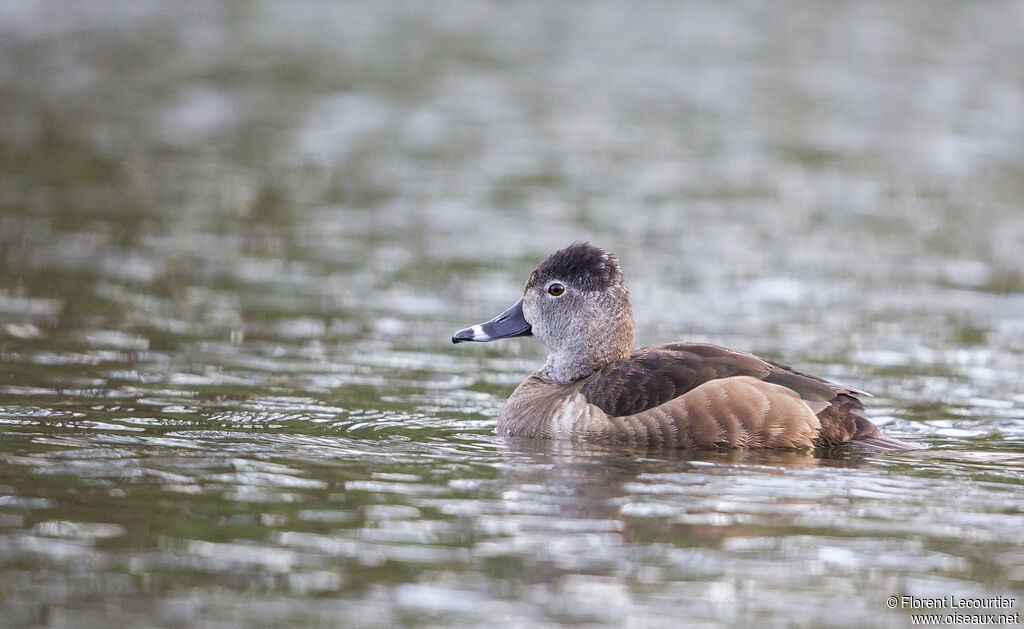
x=556, y=289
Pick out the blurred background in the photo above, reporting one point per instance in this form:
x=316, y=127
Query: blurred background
x=235, y=238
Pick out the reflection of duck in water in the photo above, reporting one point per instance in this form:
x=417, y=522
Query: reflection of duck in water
x=598, y=487
x=595, y=387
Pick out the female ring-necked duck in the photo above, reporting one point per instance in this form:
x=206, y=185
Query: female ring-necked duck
x=595, y=387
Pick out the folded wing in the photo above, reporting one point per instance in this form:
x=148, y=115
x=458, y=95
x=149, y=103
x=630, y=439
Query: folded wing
x=657, y=375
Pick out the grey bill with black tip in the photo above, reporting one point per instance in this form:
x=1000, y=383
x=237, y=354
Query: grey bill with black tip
x=506, y=325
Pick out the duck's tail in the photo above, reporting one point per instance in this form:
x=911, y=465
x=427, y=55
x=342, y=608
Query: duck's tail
x=880, y=444
x=843, y=424
x=869, y=440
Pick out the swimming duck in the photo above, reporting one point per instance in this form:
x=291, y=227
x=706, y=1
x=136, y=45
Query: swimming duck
x=595, y=387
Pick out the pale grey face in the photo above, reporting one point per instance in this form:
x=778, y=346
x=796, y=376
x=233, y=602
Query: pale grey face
x=558, y=312
x=582, y=328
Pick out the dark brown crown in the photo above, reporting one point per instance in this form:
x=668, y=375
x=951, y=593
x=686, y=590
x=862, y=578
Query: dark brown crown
x=582, y=265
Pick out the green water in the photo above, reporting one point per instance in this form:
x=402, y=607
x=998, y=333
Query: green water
x=236, y=237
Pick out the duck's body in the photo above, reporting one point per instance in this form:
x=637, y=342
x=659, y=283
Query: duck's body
x=594, y=387
x=689, y=395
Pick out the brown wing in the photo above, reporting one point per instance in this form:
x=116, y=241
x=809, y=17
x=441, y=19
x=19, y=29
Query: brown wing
x=654, y=375
x=809, y=387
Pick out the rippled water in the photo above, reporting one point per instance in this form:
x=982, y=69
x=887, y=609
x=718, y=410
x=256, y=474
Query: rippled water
x=235, y=239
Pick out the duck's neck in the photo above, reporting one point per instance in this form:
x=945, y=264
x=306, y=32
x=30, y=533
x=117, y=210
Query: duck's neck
x=595, y=349
x=563, y=369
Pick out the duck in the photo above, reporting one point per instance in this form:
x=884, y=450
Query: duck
x=595, y=386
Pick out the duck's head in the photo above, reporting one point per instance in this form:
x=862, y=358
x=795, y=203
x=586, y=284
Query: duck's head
x=577, y=304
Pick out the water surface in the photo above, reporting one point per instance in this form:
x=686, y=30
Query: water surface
x=235, y=239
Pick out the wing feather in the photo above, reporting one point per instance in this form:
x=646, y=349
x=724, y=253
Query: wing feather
x=657, y=374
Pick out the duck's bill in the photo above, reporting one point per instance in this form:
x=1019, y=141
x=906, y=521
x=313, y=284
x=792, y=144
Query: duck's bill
x=506, y=325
